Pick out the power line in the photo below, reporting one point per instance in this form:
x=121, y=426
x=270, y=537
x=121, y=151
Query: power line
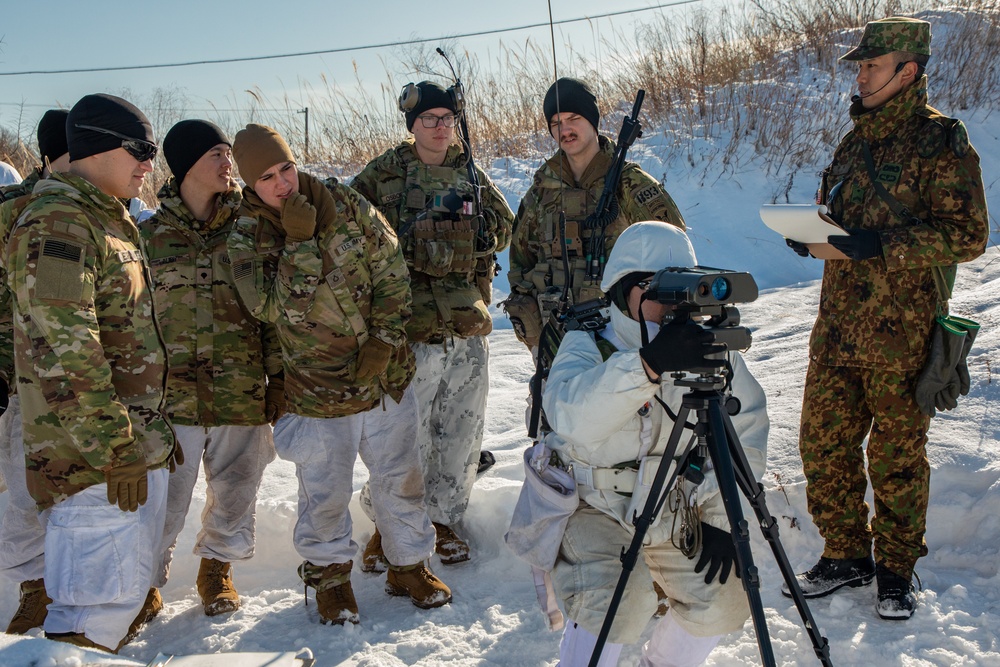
x=351, y=48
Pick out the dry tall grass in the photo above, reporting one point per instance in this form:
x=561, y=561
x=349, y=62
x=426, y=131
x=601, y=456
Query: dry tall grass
x=757, y=80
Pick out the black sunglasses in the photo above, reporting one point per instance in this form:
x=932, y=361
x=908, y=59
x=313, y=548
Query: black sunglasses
x=139, y=149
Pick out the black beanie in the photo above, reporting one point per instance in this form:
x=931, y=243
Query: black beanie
x=187, y=142
x=575, y=96
x=431, y=96
x=52, y=134
x=108, y=113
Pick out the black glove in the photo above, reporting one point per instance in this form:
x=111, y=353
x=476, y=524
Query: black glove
x=718, y=552
x=861, y=244
x=680, y=346
x=800, y=248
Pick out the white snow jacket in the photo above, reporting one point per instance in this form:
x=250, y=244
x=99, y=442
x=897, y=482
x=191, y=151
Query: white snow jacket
x=603, y=414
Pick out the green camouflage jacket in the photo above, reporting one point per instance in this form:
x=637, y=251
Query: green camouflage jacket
x=879, y=312
x=218, y=355
x=536, y=267
x=326, y=296
x=13, y=198
x=89, y=358
x=450, y=297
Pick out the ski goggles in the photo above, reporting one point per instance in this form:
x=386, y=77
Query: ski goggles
x=139, y=149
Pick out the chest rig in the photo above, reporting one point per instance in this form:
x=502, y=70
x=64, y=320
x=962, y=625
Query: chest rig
x=548, y=276
x=439, y=220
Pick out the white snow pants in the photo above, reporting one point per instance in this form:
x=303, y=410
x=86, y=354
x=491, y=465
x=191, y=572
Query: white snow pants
x=669, y=646
x=99, y=560
x=234, y=458
x=451, y=386
x=324, y=452
x=22, y=536
x=587, y=572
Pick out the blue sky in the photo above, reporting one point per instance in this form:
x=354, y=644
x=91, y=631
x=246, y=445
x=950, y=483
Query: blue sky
x=71, y=34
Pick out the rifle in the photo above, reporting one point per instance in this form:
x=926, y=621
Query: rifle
x=607, y=206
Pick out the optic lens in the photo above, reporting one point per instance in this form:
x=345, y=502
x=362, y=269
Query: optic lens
x=721, y=289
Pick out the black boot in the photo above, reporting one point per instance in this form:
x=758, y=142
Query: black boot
x=830, y=574
x=896, y=597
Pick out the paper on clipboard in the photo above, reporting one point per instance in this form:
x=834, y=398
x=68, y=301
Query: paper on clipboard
x=805, y=223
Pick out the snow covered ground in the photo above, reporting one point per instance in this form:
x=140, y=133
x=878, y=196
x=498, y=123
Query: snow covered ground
x=494, y=619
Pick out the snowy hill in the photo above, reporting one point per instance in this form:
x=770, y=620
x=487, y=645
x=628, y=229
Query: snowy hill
x=494, y=619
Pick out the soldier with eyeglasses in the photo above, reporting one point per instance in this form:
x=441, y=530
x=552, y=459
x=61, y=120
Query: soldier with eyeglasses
x=90, y=365
x=449, y=234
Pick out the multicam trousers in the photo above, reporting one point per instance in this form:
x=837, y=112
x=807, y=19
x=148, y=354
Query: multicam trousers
x=840, y=407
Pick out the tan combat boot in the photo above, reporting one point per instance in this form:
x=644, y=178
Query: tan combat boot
x=334, y=595
x=417, y=581
x=449, y=546
x=215, y=586
x=76, y=639
x=152, y=606
x=32, y=610
x=373, y=558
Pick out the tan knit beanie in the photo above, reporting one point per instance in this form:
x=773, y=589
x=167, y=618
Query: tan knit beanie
x=256, y=149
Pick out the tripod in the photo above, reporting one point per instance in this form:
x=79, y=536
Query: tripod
x=714, y=431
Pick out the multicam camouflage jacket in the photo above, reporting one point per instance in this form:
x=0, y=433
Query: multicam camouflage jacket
x=879, y=312
x=449, y=250
x=536, y=267
x=89, y=359
x=218, y=355
x=13, y=199
x=326, y=296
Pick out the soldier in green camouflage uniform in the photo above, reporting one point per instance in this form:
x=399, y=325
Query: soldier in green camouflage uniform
x=571, y=181
x=22, y=537
x=325, y=267
x=876, y=313
x=224, y=385
x=90, y=365
x=423, y=188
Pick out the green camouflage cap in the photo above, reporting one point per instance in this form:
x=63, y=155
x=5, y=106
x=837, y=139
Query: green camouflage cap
x=896, y=33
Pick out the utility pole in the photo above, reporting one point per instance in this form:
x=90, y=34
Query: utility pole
x=306, y=112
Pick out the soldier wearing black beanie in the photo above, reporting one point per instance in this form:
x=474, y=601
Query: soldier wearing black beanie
x=52, y=135
x=574, y=96
x=428, y=95
x=187, y=141
x=106, y=112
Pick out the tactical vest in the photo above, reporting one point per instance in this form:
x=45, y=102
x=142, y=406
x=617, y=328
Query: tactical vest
x=438, y=221
x=548, y=276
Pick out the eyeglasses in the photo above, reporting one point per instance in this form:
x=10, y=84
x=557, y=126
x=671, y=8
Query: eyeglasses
x=137, y=148
x=431, y=121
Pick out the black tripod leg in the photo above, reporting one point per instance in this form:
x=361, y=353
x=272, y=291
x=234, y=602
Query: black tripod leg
x=642, y=522
x=754, y=492
x=718, y=449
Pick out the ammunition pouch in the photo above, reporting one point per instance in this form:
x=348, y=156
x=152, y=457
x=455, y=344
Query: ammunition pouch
x=441, y=247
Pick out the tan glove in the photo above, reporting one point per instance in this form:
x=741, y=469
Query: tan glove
x=298, y=217
x=373, y=358
x=274, y=399
x=176, y=458
x=127, y=485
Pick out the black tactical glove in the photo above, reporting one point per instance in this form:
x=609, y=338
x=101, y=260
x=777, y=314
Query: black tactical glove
x=800, y=248
x=717, y=552
x=127, y=485
x=682, y=345
x=861, y=244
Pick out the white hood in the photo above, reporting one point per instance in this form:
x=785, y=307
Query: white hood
x=647, y=247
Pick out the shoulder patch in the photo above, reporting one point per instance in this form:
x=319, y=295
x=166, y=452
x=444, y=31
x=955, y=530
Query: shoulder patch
x=59, y=276
x=648, y=194
x=958, y=139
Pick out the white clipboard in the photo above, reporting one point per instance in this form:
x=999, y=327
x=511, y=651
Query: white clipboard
x=808, y=224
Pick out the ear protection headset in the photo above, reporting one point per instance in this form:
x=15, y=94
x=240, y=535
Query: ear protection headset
x=409, y=97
